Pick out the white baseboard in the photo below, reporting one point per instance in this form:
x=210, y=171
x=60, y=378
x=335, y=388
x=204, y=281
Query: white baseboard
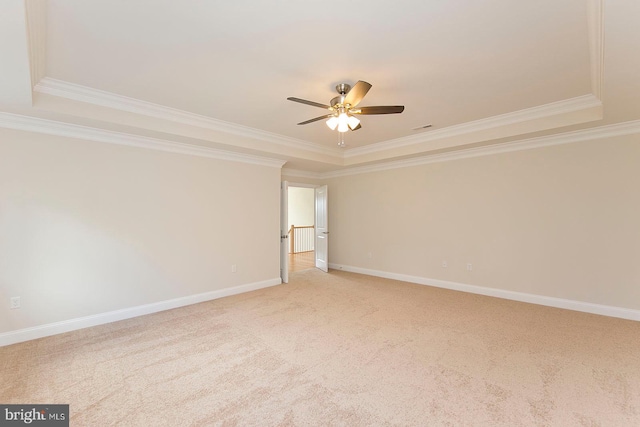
x=587, y=307
x=49, y=329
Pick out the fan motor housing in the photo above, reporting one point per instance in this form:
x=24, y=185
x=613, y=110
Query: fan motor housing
x=343, y=88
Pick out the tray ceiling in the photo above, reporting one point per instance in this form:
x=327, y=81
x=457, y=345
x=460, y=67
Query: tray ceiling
x=217, y=74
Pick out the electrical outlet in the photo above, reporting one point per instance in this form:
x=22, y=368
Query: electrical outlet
x=444, y=264
x=369, y=255
x=15, y=302
x=469, y=267
x=234, y=268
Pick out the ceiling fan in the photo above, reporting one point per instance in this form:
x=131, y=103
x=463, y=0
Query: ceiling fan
x=343, y=108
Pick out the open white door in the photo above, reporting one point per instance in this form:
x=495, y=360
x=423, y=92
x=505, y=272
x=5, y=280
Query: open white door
x=284, y=232
x=322, y=229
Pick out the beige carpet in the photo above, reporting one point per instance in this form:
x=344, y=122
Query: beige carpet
x=339, y=349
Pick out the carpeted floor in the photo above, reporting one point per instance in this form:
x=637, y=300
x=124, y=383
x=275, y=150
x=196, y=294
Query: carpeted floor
x=339, y=349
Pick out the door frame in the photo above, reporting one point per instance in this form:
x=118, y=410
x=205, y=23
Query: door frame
x=284, y=261
x=284, y=238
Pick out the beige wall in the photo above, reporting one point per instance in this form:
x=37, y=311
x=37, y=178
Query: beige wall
x=560, y=221
x=87, y=228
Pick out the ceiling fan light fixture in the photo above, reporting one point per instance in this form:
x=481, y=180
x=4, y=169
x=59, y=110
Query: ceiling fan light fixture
x=332, y=123
x=353, y=122
x=343, y=122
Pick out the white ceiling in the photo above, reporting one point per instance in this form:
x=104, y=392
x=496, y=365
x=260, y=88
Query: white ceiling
x=217, y=74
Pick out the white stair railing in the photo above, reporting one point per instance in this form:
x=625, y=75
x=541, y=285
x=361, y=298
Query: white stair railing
x=301, y=238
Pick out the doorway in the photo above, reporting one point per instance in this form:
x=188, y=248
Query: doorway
x=301, y=227
x=320, y=228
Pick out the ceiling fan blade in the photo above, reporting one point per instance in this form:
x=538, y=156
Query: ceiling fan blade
x=355, y=95
x=357, y=127
x=304, y=101
x=315, y=119
x=387, y=109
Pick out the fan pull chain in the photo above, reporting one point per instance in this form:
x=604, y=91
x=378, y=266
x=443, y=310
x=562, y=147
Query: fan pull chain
x=341, y=139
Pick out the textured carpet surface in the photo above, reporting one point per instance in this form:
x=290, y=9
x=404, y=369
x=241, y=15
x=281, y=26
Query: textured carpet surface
x=339, y=349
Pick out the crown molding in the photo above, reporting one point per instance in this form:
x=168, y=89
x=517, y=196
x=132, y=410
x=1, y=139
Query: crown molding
x=50, y=127
x=85, y=94
x=36, y=11
x=547, y=110
x=595, y=25
x=101, y=98
x=609, y=131
x=296, y=173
